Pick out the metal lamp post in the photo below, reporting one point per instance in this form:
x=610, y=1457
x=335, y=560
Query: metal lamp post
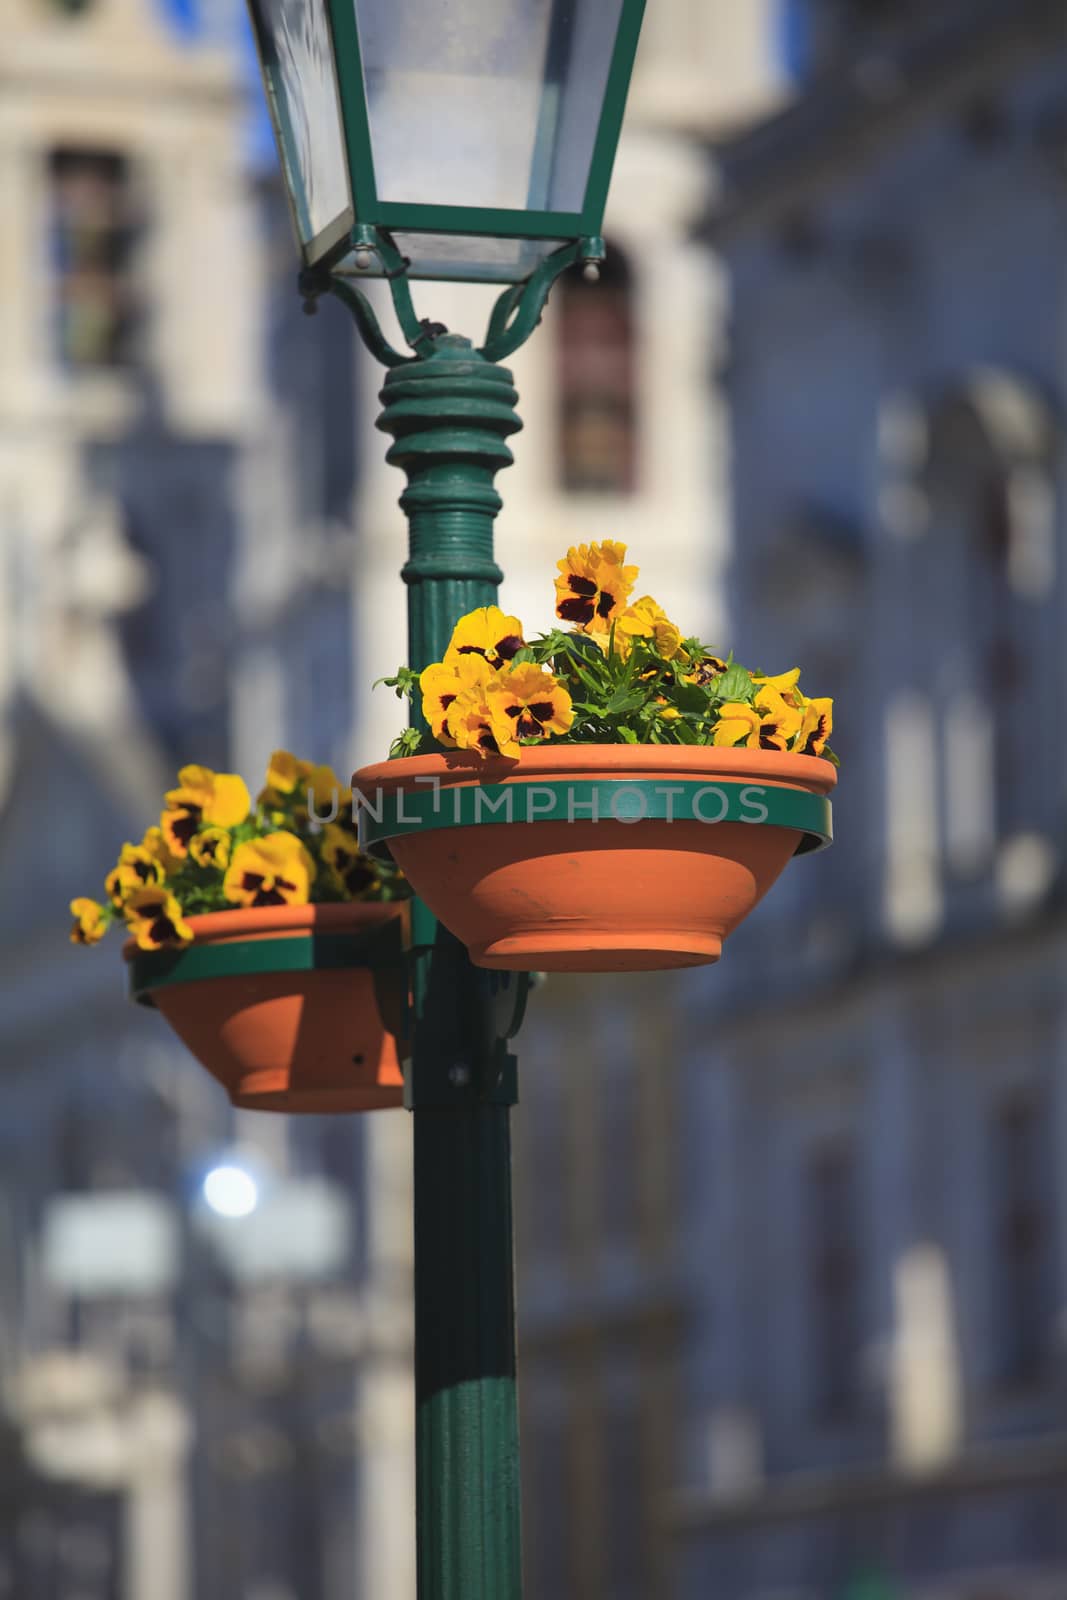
x=471, y=140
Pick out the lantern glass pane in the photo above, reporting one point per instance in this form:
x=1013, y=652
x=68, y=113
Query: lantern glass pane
x=492, y=103
x=471, y=258
x=296, y=53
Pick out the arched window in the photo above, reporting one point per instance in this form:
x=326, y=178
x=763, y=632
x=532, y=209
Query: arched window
x=990, y=562
x=595, y=361
x=93, y=233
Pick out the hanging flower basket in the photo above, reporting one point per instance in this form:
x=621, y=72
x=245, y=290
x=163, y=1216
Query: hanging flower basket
x=595, y=857
x=291, y=1008
x=275, y=949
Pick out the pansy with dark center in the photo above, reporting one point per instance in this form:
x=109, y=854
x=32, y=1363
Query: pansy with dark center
x=446, y=682
x=816, y=727
x=470, y=725
x=267, y=891
x=179, y=823
x=273, y=871
x=779, y=721
x=154, y=919
x=134, y=869
x=527, y=702
x=530, y=720
x=350, y=867
x=594, y=585
x=210, y=848
x=488, y=633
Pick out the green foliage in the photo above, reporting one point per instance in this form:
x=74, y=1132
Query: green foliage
x=646, y=689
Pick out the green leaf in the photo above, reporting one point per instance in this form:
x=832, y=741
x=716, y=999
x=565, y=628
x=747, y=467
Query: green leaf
x=735, y=684
x=404, y=681
x=407, y=743
x=624, y=700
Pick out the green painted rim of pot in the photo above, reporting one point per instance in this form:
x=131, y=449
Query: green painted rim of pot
x=626, y=800
x=310, y=952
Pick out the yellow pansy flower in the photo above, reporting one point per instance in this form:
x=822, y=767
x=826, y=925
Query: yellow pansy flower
x=817, y=724
x=321, y=790
x=223, y=797
x=210, y=848
x=594, y=585
x=738, y=724
x=290, y=782
x=779, y=721
x=354, y=872
x=470, y=725
x=135, y=868
x=202, y=796
x=785, y=684
x=646, y=619
x=154, y=919
x=274, y=871
x=527, y=702
x=91, y=921
x=155, y=846
x=770, y=724
x=444, y=682
x=487, y=633
x=284, y=772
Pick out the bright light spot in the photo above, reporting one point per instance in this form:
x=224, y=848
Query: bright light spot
x=231, y=1191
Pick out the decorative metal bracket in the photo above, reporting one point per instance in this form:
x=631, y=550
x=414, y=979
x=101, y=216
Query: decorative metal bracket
x=514, y=316
x=469, y=1018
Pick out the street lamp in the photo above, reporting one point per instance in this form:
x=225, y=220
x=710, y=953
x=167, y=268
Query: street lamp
x=479, y=133
x=467, y=139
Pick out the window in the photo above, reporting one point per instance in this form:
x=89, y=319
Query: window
x=990, y=571
x=92, y=238
x=1022, y=1243
x=596, y=366
x=969, y=493
x=834, y=1257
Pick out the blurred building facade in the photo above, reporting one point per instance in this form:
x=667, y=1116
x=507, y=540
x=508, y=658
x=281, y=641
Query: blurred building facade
x=185, y=1413
x=200, y=546
x=876, y=1213
x=800, y=1259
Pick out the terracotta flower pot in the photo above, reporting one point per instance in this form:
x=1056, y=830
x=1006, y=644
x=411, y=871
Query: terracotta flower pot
x=291, y=1008
x=595, y=858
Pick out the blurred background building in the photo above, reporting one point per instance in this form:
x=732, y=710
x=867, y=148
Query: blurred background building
x=792, y=1235
x=875, y=1216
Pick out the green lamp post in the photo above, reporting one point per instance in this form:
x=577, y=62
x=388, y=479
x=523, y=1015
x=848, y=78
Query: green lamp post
x=471, y=140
